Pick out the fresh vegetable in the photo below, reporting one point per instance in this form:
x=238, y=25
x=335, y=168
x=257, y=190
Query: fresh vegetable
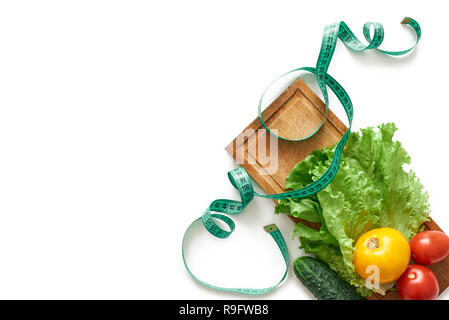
x=385, y=248
x=322, y=281
x=371, y=190
x=418, y=283
x=429, y=247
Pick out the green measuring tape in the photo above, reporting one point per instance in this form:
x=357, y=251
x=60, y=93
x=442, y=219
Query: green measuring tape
x=241, y=180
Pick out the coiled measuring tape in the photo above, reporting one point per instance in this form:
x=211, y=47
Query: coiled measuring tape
x=241, y=180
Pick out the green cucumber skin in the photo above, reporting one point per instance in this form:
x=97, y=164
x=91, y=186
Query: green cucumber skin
x=322, y=281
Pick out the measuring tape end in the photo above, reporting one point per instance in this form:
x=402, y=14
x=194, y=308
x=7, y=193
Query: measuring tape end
x=406, y=20
x=270, y=228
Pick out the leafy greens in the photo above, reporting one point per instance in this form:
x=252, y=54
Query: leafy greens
x=371, y=190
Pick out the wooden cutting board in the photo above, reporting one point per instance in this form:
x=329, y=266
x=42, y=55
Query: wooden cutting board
x=296, y=113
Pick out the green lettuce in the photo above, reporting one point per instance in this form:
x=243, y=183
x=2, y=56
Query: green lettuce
x=372, y=189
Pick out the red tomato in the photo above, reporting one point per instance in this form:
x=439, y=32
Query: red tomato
x=418, y=283
x=429, y=247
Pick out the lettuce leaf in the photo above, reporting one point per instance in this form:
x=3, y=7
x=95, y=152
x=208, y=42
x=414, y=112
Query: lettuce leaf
x=371, y=190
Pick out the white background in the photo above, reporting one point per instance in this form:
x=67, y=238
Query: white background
x=114, y=116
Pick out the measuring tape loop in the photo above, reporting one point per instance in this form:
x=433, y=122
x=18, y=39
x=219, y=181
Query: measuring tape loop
x=240, y=179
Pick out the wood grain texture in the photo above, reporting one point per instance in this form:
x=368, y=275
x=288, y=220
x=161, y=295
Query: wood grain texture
x=296, y=113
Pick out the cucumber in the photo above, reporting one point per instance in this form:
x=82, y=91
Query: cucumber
x=322, y=281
